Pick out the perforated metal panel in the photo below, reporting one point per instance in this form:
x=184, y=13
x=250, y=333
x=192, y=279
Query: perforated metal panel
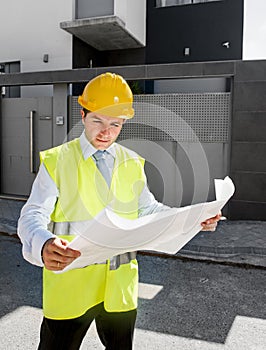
x=75, y=118
x=168, y=117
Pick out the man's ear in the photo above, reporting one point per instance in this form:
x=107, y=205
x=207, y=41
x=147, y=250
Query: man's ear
x=82, y=113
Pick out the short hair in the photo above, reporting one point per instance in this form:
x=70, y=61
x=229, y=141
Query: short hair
x=86, y=111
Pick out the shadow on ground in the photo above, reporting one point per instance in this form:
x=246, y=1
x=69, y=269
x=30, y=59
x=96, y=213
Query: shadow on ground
x=20, y=282
x=199, y=300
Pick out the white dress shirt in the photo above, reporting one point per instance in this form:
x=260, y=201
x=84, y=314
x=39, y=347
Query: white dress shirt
x=35, y=215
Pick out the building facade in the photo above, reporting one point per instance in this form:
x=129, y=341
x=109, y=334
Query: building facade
x=195, y=49
x=99, y=33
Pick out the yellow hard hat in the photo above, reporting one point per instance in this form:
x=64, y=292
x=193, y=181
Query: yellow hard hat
x=108, y=94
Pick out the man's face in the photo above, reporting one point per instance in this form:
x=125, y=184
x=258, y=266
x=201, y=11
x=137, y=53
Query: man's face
x=101, y=131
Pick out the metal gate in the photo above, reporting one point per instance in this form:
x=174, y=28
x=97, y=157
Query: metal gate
x=26, y=128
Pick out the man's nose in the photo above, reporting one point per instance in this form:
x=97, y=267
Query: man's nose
x=105, y=129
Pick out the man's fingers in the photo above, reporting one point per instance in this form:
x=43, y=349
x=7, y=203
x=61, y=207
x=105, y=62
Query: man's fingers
x=212, y=220
x=58, y=246
x=57, y=262
x=56, y=255
x=211, y=223
x=56, y=265
x=210, y=227
x=65, y=252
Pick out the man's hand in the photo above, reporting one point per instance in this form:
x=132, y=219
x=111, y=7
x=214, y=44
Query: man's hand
x=211, y=223
x=56, y=256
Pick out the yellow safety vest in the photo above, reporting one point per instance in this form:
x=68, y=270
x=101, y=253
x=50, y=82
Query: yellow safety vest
x=83, y=193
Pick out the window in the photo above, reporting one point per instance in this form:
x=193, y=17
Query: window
x=10, y=67
x=165, y=3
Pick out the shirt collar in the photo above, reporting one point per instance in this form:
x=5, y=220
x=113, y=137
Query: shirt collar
x=88, y=150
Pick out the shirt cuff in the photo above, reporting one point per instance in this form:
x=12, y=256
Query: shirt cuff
x=37, y=244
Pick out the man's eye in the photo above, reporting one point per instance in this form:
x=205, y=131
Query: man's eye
x=96, y=121
x=116, y=125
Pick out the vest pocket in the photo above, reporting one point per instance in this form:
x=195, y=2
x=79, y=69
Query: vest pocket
x=121, y=291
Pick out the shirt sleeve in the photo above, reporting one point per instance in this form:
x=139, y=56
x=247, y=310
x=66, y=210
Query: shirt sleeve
x=148, y=204
x=35, y=216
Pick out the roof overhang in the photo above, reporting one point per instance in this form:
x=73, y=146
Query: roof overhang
x=103, y=33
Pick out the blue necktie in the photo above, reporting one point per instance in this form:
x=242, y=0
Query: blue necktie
x=101, y=163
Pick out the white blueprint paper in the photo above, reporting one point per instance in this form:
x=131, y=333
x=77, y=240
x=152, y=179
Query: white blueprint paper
x=167, y=231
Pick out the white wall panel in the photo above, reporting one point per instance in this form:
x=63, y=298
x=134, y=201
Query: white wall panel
x=29, y=29
x=254, y=34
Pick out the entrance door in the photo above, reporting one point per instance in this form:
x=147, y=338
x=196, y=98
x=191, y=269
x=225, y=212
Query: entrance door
x=26, y=129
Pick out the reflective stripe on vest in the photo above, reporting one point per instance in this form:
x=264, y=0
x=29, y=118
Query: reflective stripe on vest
x=83, y=193
x=63, y=229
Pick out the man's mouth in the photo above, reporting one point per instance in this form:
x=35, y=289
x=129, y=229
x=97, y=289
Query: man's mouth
x=101, y=140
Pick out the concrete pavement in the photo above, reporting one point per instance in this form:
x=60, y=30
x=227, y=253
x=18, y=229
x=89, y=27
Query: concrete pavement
x=183, y=304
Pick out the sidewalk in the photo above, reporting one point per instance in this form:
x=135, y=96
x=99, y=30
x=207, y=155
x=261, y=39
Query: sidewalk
x=238, y=242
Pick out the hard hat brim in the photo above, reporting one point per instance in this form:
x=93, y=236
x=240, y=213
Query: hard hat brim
x=119, y=110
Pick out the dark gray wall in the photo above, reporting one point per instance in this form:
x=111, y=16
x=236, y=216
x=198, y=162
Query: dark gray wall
x=202, y=27
x=248, y=150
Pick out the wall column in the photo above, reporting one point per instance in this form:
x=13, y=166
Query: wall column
x=248, y=152
x=60, y=117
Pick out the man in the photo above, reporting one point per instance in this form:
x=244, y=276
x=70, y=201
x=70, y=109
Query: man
x=75, y=182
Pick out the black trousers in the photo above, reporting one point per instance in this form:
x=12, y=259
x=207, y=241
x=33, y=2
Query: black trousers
x=115, y=330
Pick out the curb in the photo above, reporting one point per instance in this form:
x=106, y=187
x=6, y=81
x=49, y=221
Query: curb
x=243, y=261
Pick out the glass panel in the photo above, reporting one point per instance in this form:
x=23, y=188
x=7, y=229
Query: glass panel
x=94, y=8
x=165, y=3
x=197, y=1
x=10, y=67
